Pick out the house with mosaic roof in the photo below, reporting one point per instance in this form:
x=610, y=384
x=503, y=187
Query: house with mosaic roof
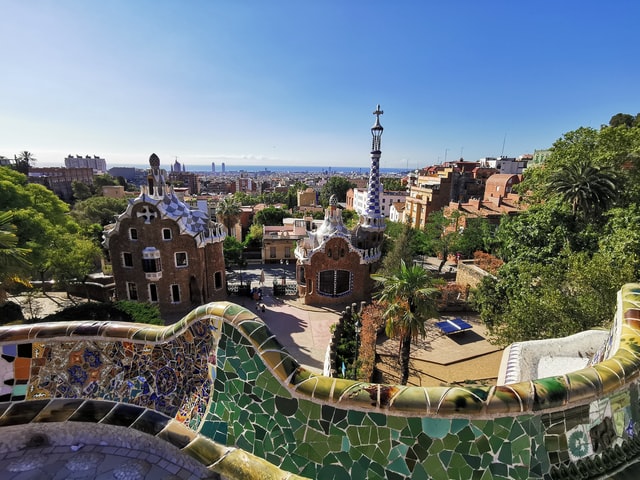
x=165, y=252
x=334, y=264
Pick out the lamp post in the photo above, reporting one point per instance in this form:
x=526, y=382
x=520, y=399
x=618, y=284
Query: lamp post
x=357, y=328
x=284, y=272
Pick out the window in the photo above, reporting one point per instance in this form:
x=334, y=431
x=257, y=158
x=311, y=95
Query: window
x=218, y=280
x=166, y=234
x=153, y=293
x=132, y=291
x=133, y=234
x=127, y=259
x=334, y=283
x=151, y=264
x=287, y=252
x=181, y=259
x=175, y=293
x=272, y=252
x=151, y=260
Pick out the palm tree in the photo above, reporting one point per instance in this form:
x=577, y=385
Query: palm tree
x=227, y=211
x=23, y=161
x=409, y=299
x=13, y=259
x=588, y=188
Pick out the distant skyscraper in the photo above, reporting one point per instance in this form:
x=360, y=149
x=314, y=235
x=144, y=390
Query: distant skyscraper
x=213, y=167
x=222, y=167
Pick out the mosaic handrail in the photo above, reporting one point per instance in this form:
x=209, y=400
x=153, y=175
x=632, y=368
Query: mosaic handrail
x=221, y=373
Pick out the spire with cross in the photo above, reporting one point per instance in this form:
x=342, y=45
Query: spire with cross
x=373, y=218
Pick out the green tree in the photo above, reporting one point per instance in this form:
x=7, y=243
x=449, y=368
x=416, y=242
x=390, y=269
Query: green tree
x=399, y=249
x=476, y=236
x=232, y=251
x=623, y=119
x=350, y=218
x=393, y=184
x=39, y=216
x=441, y=235
x=270, y=216
x=103, y=180
x=23, y=161
x=100, y=210
x=72, y=259
x=589, y=189
x=537, y=235
x=227, y=212
x=254, y=237
x=409, y=298
x=13, y=259
x=337, y=186
x=81, y=191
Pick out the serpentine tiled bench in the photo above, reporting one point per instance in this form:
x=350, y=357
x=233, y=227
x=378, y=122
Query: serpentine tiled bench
x=223, y=381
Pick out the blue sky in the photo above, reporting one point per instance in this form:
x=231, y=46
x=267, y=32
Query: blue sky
x=295, y=82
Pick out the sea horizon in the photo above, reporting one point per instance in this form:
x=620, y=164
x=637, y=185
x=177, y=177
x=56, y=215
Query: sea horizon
x=255, y=168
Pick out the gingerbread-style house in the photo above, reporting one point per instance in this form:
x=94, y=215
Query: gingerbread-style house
x=165, y=252
x=333, y=264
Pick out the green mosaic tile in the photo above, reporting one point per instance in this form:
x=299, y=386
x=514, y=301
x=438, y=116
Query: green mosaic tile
x=421, y=447
x=399, y=466
x=463, y=447
x=466, y=434
x=516, y=430
x=435, y=427
x=496, y=442
x=419, y=473
x=396, y=423
x=333, y=472
x=458, y=424
x=522, y=446
x=450, y=442
x=378, y=419
x=472, y=460
x=445, y=457
x=499, y=470
x=464, y=472
x=505, y=455
x=435, y=468
x=552, y=442
x=483, y=445
x=519, y=472
x=358, y=471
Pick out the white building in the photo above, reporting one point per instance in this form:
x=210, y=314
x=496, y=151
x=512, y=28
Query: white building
x=99, y=165
x=387, y=198
x=511, y=166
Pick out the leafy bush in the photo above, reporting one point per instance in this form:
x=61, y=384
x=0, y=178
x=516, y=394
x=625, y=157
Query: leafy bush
x=122, y=311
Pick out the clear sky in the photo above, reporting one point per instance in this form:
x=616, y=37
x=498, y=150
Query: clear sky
x=278, y=82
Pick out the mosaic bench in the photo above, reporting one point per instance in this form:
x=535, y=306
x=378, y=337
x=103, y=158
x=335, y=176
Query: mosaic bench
x=241, y=401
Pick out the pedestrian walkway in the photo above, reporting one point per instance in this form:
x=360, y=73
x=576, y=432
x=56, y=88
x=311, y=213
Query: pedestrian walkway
x=304, y=331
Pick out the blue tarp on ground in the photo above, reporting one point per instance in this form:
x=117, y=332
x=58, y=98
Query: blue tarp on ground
x=456, y=325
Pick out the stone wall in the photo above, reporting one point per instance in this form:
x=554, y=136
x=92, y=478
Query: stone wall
x=469, y=274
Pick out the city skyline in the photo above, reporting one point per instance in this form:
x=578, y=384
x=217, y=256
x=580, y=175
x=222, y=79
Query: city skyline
x=292, y=83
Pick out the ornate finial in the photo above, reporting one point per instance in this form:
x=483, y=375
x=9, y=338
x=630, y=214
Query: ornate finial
x=154, y=161
x=376, y=130
x=377, y=113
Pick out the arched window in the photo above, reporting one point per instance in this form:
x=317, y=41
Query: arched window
x=334, y=283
